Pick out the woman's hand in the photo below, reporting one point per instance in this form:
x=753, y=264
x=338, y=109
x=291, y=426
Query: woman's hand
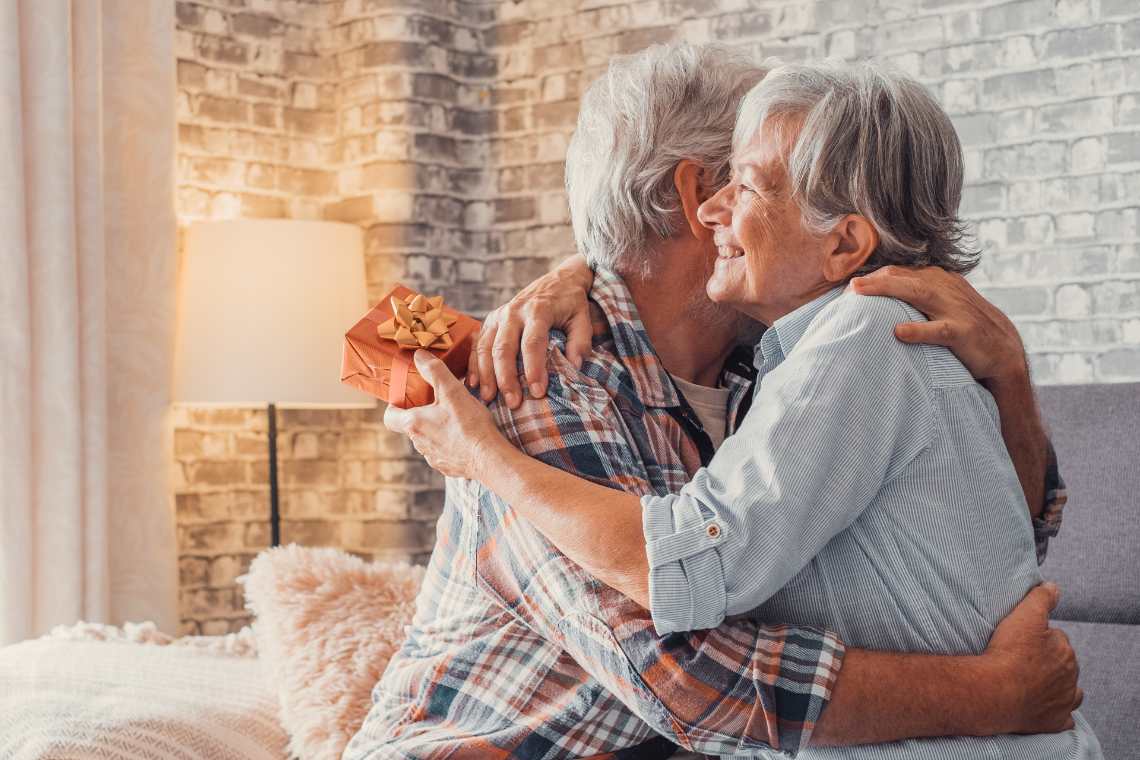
x=557, y=299
x=455, y=433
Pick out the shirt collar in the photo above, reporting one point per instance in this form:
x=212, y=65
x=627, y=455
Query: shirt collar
x=651, y=383
x=620, y=322
x=779, y=339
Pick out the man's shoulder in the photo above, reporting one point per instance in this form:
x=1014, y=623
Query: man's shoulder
x=587, y=390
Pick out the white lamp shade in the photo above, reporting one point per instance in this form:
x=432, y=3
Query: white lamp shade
x=263, y=308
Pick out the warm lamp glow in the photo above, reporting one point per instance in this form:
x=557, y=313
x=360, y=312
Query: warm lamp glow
x=263, y=307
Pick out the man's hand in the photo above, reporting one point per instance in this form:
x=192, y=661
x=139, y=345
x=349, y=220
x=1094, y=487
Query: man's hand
x=557, y=299
x=979, y=334
x=456, y=434
x=1037, y=664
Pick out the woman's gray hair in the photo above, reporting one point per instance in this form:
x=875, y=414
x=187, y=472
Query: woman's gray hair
x=871, y=142
x=637, y=121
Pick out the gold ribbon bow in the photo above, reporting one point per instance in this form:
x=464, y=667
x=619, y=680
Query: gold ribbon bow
x=418, y=322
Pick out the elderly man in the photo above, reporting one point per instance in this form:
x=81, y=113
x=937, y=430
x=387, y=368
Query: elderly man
x=515, y=651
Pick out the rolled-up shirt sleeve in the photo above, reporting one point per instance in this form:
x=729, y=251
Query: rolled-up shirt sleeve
x=845, y=412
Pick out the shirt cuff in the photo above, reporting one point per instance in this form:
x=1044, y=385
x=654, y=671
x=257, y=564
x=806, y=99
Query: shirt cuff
x=1056, y=496
x=686, y=575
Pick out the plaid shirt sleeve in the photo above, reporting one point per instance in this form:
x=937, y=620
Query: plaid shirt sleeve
x=1048, y=524
x=740, y=687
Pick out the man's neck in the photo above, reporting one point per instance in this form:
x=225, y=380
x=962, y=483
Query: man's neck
x=691, y=348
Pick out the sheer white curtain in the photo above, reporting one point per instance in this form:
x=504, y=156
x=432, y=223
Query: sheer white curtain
x=87, y=277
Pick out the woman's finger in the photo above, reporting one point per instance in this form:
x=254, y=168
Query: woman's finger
x=487, y=386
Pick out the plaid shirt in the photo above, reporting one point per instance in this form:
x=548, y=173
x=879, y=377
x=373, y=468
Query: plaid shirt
x=516, y=652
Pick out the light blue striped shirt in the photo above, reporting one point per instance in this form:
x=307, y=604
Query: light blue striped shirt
x=867, y=491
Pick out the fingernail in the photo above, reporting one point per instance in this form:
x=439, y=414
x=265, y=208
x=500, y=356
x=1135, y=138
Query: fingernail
x=512, y=398
x=536, y=390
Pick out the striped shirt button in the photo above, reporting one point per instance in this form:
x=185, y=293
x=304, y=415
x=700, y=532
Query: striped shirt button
x=713, y=531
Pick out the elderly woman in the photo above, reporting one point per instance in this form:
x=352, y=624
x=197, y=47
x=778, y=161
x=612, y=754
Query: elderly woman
x=869, y=490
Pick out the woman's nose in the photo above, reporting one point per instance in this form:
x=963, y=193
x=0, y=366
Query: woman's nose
x=715, y=211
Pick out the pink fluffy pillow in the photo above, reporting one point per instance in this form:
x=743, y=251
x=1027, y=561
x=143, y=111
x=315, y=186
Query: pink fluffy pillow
x=327, y=624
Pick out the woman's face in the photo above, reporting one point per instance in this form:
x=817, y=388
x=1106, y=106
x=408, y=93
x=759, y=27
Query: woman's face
x=767, y=264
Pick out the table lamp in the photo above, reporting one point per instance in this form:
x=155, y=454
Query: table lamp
x=263, y=307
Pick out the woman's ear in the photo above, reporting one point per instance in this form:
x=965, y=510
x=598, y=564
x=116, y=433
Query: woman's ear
x=687, y=180
x=848, y=246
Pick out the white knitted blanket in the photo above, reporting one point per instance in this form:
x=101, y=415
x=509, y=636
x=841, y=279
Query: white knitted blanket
x=70, y=695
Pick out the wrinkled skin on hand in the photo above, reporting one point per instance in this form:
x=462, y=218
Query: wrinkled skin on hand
x=1039, y=663
x=557, y=299
x=455, y=432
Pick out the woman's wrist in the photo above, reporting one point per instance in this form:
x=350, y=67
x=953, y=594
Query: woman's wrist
x=491, y=459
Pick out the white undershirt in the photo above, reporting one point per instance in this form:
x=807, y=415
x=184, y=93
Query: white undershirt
x=710, y=405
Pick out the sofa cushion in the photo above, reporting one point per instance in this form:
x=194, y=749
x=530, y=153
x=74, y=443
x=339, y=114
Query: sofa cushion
x=1096, y=432
x=1109, y=657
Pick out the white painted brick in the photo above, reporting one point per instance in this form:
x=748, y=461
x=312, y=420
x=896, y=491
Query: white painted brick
x=1016, y=52
x=841, y=44
x=1074, y=368
x=393, y=206
x=1119, y=363
x=1025, y=195
x=1014, y=125
x=1082, y=116
x=960, y=95
x=305, y=95
x=1073, y=12
x=1127, y=259
x=1072, y=301
x=552, y=209
x=1088, y=154
x=1076, y=226
x=1130, y=331
x=1076, y=79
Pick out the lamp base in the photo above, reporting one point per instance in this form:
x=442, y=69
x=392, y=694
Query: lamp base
x=274, y=507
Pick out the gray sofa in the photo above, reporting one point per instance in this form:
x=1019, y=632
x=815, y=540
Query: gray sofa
x=1096, y=558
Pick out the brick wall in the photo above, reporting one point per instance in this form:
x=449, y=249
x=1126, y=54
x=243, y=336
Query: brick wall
x=440, y=126
x=1045, y=95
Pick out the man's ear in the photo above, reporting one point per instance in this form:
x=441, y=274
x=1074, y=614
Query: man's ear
x=848, y=246
x=687, y=180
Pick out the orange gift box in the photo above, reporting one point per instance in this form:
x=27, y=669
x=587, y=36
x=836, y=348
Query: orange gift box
x=378, y=350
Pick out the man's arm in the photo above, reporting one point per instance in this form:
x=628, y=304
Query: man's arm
x=742, y=685
x=945, y=690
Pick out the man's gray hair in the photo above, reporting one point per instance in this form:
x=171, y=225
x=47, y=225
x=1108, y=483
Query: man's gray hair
x=637, y=121
x=872, y=142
